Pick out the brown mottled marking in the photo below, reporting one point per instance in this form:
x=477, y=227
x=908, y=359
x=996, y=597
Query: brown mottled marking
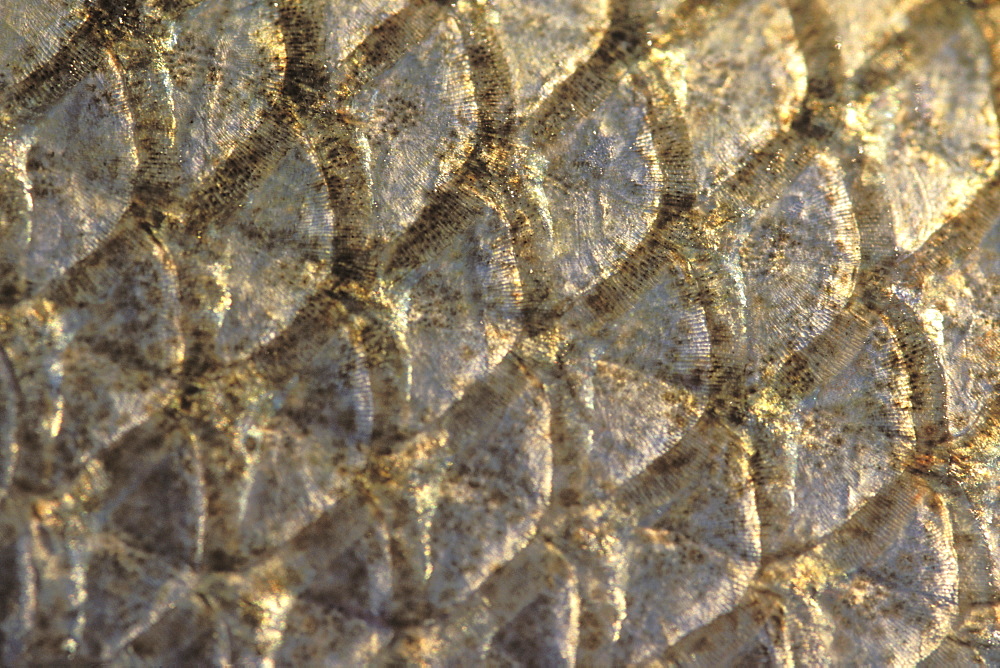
x=386, y=44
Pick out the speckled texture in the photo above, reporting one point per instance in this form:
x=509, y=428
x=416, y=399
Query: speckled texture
x=499, y=332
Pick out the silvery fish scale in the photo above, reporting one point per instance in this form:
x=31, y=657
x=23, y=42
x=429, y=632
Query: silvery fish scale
x=499, y=332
